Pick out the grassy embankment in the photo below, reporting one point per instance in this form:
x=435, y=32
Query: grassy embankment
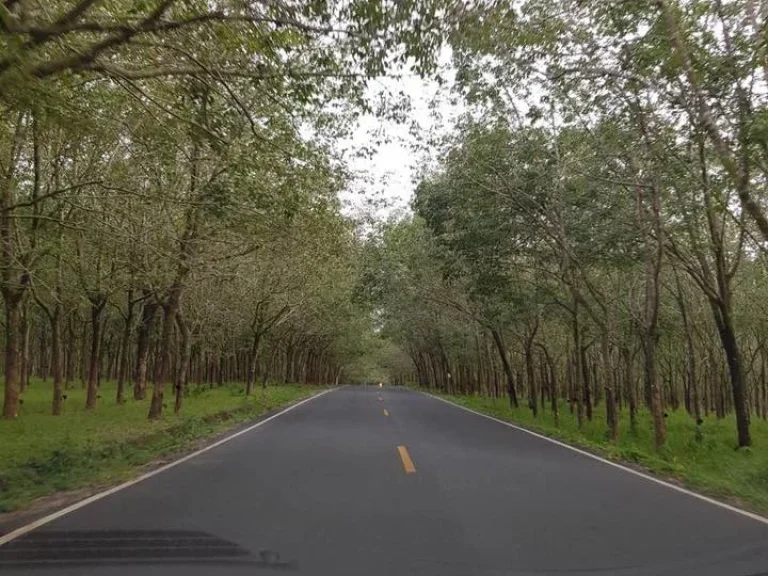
x=710, y=465
x=41, y=454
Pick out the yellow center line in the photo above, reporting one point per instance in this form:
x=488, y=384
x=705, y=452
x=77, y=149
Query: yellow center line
x=406, y=458
x=386, y=412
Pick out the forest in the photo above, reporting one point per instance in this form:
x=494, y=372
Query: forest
x=588, y=241
x=593, y=232
x=170, y=208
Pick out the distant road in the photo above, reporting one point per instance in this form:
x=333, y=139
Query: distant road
x=370, y=482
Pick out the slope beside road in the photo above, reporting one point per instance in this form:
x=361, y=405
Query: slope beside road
x=385, y=481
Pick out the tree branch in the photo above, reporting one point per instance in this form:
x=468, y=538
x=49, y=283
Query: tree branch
x=48, y=195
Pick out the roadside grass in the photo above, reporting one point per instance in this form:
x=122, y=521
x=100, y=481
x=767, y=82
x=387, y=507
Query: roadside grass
x=710, y=465
x=42, y=454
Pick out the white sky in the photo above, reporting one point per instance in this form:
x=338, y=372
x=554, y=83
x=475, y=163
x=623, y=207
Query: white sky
x=385, y=178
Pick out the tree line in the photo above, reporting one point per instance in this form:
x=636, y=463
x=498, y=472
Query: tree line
x=594, y=230
x=169, y=205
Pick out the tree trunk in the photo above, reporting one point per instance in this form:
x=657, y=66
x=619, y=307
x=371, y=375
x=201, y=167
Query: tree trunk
x=611, y=410
x=265, y=377
x=97, y=307
x=553, y=388
x=12, y=341
x=763, y=390
x=83, y=354
x=252, y=360
x=502, y=349
x=103, y=349
x=652, y=385
x=148, y=313
x=125, y=342
x=71, y=340
x=14, y=281
x=530, y=376
x=162, y=364
x=57, y=360
x=693, y=383
x=25, y=369
x=577, y=368
x=629, y=378
x=733, y=357
x=186, y=249
x=553, y=393
x=42, y=363
x=586, y=399
x=186, y=351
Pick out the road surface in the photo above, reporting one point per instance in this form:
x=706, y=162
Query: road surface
x=369, y=482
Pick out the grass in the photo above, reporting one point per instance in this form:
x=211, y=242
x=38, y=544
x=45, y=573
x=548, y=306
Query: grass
x=41, y=454
x=709, y=465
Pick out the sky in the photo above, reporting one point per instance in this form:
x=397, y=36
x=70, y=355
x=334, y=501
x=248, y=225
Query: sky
x=399, y=151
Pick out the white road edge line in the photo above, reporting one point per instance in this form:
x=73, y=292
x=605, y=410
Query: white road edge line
x=751, y=515
x=91, y=499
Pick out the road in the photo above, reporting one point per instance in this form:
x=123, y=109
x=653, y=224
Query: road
x=337, y=486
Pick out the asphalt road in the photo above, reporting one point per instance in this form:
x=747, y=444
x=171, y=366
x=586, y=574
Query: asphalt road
x=325, y=490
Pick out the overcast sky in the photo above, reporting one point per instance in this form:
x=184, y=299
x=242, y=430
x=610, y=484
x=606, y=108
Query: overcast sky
x=385, y=179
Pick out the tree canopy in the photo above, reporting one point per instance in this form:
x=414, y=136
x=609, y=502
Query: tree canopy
x=592, y=234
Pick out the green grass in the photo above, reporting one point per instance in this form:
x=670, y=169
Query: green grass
x=710, y=465
x=41, y=454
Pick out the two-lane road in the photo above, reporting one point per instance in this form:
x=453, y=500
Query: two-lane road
x=369, y=482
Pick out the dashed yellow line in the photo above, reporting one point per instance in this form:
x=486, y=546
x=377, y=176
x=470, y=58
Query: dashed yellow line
x=386, y=412
x=406, y=458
